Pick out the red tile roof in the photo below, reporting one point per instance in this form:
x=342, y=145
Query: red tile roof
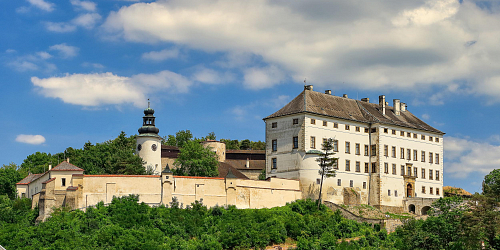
x=49, y=180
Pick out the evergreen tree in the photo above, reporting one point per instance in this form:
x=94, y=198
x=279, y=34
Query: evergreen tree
x=326, y=163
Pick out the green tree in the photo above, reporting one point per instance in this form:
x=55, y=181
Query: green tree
x=9, y=176
x=196, y=160
x=258, y=145
x=326, y=163
x=231, y=144
x=210, y=136
x=491, y=184
x=180, y=138
x=246, y=144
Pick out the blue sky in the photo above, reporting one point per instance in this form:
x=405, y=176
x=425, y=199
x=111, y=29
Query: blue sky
x=77, y=71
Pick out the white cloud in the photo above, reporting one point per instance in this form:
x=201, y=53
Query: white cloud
x=91, y=90
x=87, y=21
x=161, y=55
x=10, y=51
x=43, y=5
x=93, y=65
x=23, y=65
x=210, y=76
x=44, y=55
x=404, y=45
x=85, y=5
x=30, y=139
x=65, y=51
x=464, y=156
x=259, y=78
x=426, y=116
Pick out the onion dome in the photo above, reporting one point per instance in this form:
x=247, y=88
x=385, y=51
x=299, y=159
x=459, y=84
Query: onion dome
x=148, y=123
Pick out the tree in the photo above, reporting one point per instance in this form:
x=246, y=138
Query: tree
x=326, y=162
x=491, y=184
x=180, y=138
x=258, y=145
x=246, y=144
x=196, y=160
x=231, y=144
x=9, y=176
x=210, y=136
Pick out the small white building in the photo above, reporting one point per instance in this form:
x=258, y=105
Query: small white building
x=387, y=157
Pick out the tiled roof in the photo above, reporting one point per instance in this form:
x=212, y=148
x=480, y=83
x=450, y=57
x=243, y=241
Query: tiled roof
x=224, y=169
x=28, y=179
x=241, y=164
x=349, y=109
x=49, y=180
x=66, y=166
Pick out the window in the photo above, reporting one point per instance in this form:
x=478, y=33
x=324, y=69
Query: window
x=295, y=142
x=358, y=129
x=386, y=150
x=386, y=168
x=402, y=169
x=408, y=154
x=423, y=173
x=324, y=141
x=366, y=150
x=437, y=140
x=423, y=189
x=430, y=190
x=275, y=165
x=63, y=182
x=366, y=130
x=415, y=135
x=374, y=167
x=313, y=142
x=393, y=131
x=430, y=174
x=409, y=171
x=274, y=125
x=408, y=134
x=437, y=158
x=275, y=145
x=366, y=167
x=430, y=157
x=325, y=123
x=415, y=155
x=318, y=181
x=394, y=169
x=335, y=145
x=347, y=165
x=347, y=147
x=357, y=149
x=402, y=133
x=358, y=167
x=313, y=121
x=339, y=182
x=423, y=137
x=415, y=171
x=393, y=152
x=437, y=175
x=23, y=195
x=351, y=183
x=386, y=130
x=374, y=130
x=422, y=156
x=335, y=125
x=437, y=191
x=430, y=138
x=402, y=153
x=389, y=192
x=347, y=127
x=335, y=165
x=295, y=121
x=374, y=150
x=364, y=184
x=396, y=193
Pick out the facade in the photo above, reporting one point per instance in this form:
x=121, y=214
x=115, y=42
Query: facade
x=387, y=157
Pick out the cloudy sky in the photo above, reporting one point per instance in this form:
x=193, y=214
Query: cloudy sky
x=77, y=71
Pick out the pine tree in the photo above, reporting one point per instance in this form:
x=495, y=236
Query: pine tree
x=326, y=163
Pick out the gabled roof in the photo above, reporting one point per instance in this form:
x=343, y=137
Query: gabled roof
x=66, y=166
x=349, y=109
x=28, y=179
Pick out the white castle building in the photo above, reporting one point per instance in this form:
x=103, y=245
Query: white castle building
x=387, y=157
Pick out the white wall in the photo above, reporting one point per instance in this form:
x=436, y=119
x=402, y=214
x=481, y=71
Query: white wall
x=151, y=157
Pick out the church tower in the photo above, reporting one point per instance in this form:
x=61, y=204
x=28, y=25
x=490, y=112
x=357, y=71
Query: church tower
x=149, y=142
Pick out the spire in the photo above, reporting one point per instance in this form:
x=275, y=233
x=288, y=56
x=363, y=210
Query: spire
x=148, y=122
x=166, y=170
x=230, y=174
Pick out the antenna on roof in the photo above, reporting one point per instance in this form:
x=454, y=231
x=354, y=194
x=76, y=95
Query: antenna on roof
x=148, y=103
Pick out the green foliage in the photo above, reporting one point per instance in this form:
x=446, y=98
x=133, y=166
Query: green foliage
x=127, y=224
x=262, y=175
x=491, y=184
x=180, y=138
x=326, y=163
x=244, y=144
x=196, y=160
x=9, y=176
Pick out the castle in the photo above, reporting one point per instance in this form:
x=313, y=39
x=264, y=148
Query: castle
x=388, y=158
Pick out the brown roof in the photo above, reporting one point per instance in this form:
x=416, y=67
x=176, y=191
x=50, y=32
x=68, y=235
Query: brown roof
x=49, y=180
x=28, y=179
x=235, y=151
x=349, y=109
x=241, y=164
x=224, y=169
x=66, y=166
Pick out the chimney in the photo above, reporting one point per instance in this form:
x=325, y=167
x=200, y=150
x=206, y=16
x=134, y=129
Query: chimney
x=365, y=99
x=50, y=167
x=381, y=103
x=397, y=106
x=308, y=87
x=67, y=160
x=248, y=163
x=328, y=92
x=345, y=96
x=403, y=107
